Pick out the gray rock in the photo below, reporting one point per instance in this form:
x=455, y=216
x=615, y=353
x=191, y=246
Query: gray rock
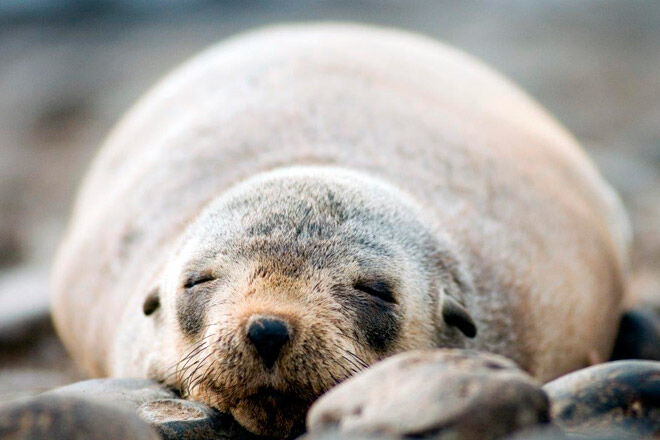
x=639, y=335
x=335, y=434
x=24, y=306
x=17, y=383
x=128, y=394
x=439, y=394
x=55, y=417
x=177, y=419
x=32, y=359
x=554, y=433
x=621, y=398
x=34, y=367
x=173, y=417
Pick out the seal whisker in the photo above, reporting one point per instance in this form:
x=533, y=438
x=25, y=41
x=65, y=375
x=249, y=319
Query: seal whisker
x=351, y=361
x=193, y=374
x=176, y=370
x=209, y=366
x=357, y=359
x=180, y=371
x=200, y=346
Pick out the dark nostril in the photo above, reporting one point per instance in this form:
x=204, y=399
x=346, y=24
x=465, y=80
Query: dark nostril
x=268, y=335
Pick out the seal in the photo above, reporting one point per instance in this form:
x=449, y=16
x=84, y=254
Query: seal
x=299, y=202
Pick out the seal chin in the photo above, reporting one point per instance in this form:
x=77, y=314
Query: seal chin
x=271, y=413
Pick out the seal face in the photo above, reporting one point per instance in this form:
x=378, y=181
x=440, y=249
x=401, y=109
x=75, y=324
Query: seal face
x=294, y=281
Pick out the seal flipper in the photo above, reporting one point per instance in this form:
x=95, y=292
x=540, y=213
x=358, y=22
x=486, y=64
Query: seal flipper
x=455, y=315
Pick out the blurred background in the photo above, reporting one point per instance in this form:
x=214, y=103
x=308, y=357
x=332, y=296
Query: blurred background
x=70, y=68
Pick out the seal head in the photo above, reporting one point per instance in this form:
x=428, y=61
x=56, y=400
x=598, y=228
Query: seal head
x=295, y=280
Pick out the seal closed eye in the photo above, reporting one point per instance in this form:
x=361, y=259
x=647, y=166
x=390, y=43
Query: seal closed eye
x=197, y=279
x=376, y=289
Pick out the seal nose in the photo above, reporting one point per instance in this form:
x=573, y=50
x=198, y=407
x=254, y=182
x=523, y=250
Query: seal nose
x=268, y=335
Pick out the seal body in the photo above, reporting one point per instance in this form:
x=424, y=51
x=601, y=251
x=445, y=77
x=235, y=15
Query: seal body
x=372, y=190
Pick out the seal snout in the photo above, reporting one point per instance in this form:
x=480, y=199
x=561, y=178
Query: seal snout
x=268, y=334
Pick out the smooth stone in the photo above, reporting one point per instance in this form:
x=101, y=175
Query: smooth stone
x=173, y=417
x=128, y=394
x=621, y=397
x=24, y=306
x=338, y=435
x=32, y=358
x=183, y=419
x=440, y=394
x=639, y=335
x=17, y=383
x=59, y=417
x=554, y=433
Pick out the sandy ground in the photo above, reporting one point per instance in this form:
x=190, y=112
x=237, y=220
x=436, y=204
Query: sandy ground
x=66, y=77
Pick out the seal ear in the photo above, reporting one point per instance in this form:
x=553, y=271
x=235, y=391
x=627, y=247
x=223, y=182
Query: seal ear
x=455, y=315
x=454, y=284
x=151, y=302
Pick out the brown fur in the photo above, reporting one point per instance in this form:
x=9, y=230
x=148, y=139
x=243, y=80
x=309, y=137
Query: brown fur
x=466, y=187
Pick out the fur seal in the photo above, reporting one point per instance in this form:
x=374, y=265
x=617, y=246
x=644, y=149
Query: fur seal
x=296, y=203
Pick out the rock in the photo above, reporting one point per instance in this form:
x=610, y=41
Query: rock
x=554, y=433
x=17, y=383
x=24, y=306
x=56, y=417
x=335, y=434
x=128, y=394
x=32, y=359
x=173, y=417
x=177, y=419
x=32, y=368
x=439, y=394
x=621, y=397
x=639, y=335
x=10, y=246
